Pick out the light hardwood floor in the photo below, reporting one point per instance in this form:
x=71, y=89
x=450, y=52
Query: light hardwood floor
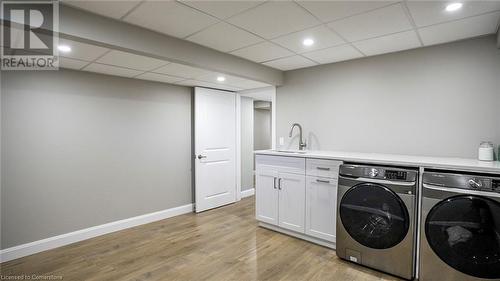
x=221, y=244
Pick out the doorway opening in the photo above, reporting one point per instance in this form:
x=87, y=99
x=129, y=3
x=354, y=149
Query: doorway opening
x=257, y=133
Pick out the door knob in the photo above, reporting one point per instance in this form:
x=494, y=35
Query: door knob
x=201, y=156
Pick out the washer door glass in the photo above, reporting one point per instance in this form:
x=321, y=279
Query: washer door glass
x=464, y=231
x=374, y=216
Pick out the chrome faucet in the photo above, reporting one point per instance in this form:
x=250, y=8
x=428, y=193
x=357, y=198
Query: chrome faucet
x=302, y=143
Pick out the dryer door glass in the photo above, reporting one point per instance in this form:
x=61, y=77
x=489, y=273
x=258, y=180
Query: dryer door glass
x=464, y=231
x=374, y=216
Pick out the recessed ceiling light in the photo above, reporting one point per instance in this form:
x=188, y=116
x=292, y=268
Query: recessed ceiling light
x=64, y=48
x=221, y=78
x=308, y=42
x=453, y=7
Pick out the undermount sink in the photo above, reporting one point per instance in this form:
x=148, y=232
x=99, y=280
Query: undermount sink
x=292, y=151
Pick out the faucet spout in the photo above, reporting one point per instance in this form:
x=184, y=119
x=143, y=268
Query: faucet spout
x=302, y=143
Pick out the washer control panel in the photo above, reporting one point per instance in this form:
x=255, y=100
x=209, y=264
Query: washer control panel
x=395, y=175
x=378, y=172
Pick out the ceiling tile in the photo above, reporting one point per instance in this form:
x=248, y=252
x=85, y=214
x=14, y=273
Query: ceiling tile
x=274, y=18
x=335, y=54
x=181, y=70
x=290, y=63
x=262, y=52
x=390, y=43
x=212, y=78
x=460, y=29
x=334, y=10
x=194, y=83
x=234, y=81
x=159, y=77
x=221, y=9
x=109, y=8
x=82, y=51
x=425, y=13
x=250, y=84
x=129, y=60
x=322, y=36
x=376, y=23
x=169, y=17
x=71, y=63
x=111, y=70
x=224, y=37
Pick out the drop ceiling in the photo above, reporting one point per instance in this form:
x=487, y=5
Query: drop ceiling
x=271, y=32
x=87, y=57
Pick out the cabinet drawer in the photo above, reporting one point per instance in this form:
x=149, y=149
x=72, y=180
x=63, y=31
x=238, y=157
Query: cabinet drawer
x=324, y=181
x=294, y=165
x=322, y=168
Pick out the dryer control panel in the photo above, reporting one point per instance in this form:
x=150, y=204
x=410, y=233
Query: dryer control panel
x=472, y=181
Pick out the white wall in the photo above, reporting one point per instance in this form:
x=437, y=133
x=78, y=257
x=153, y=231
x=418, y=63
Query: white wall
x=247, y=179
x=442, y=100
x=82, y=149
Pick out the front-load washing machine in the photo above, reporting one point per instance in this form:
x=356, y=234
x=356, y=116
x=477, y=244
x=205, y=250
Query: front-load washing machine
x=376, y=217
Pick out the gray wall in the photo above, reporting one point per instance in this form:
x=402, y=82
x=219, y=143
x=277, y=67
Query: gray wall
x=82, y=149
x=440, y=100
x=262, y=129
x=247, y=181
x=498, y=38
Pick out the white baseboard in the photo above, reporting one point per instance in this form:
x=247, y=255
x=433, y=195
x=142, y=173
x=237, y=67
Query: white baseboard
x=87, y=233
x=248, y=192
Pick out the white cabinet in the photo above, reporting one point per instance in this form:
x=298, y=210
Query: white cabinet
x=266, y=196
x=298, y=196
x=281, y=191
x=321, y=207
x=292, y=192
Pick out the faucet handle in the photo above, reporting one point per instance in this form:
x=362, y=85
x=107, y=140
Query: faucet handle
x=302, y=145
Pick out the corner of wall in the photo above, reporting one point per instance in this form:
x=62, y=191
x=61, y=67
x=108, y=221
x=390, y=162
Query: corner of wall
x=498, y=38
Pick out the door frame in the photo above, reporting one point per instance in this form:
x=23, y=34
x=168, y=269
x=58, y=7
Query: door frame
x=268, y=94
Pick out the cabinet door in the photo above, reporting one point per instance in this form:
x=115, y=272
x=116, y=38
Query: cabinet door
x=266, y=196
x=292, y=193
x=321, y=207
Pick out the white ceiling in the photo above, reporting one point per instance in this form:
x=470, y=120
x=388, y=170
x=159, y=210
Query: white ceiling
x=271, y=32
x=86, y=57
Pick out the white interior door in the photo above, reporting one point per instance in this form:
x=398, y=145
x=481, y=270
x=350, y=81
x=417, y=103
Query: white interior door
x=215, y=148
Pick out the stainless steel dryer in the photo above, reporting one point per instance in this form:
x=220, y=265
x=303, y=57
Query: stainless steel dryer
x=376, y=217
x=460, y=227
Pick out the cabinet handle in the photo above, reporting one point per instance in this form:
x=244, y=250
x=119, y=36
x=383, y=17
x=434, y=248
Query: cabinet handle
x=274, y=185
x=323, y=168
x=323, y=181
x=279, y=183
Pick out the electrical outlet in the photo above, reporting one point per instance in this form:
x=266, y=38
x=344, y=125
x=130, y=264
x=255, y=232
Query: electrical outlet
x=282, y=141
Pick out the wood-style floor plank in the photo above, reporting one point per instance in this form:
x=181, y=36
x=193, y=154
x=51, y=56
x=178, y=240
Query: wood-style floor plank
x=221, y=244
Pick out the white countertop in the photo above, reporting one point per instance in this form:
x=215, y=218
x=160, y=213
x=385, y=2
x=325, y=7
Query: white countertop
x=396, y=159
